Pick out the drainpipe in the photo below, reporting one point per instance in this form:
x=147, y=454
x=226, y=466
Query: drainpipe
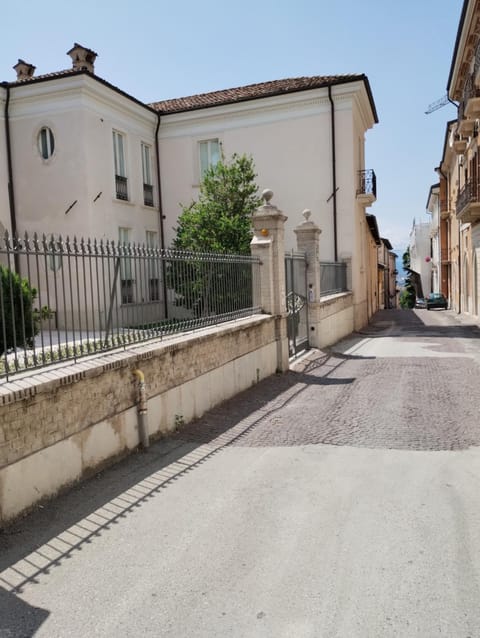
x=447, y=181
x=11, y=192
x=142, y=409
x=459, y=256
x=161, y=216
x=334, y=173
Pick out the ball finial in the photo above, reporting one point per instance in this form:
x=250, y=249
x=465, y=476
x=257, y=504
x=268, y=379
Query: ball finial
x=267, y=195
x=306, y=213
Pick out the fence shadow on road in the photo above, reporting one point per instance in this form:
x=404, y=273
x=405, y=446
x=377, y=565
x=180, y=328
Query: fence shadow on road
x=58, y=529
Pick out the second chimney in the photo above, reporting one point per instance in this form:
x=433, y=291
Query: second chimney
x=24, y=70
x=83, y=59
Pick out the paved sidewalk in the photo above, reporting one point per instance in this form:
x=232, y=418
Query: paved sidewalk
x=391, y=386
x=338, y=500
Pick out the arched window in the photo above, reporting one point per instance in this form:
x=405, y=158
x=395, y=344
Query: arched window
x=46, y=142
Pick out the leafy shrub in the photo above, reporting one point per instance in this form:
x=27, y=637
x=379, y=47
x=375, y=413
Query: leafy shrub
x=19, y=322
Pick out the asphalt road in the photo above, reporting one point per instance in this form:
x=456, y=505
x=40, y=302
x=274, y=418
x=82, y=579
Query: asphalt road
x=339, y=500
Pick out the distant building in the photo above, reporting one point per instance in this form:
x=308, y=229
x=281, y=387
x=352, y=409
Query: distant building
x=420, y=259
x=459, y=186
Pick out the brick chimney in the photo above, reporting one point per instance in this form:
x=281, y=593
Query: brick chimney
x=24, y=70
x=83, y=59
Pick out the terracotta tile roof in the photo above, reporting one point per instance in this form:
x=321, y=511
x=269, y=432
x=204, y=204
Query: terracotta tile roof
x=252, y=92
x=46, y=76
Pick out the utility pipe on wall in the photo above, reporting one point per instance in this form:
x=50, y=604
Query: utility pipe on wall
x=11, y=192
x=142, y=409
x=334, y=174
x=161, y=216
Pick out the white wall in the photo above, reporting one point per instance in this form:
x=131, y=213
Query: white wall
x=81, y=114
x=289, y=138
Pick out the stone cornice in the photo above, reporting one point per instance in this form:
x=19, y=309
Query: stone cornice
x=468, y=38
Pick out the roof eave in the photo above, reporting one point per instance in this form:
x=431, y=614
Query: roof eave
x=77, y=73
x=249, y=98
x=457, y=45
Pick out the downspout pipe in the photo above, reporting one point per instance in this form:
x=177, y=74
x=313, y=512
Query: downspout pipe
x=142, y=409
x=160, y=206
x=11, y=190
x=334, y=174
x=445, y=177
x=161, y=215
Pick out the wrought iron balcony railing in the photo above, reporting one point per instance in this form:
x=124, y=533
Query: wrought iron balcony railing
x=367, y=183
x=467, y=195
x=148, y=194
x=121, y=187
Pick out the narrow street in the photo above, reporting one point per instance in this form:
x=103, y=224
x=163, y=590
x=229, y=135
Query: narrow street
x=338, y=500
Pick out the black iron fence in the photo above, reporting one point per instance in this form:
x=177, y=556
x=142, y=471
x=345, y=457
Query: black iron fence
x=74, y=298
x=333, y=278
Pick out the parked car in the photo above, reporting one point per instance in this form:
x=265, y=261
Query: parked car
x=436, y=300
x=420, y=302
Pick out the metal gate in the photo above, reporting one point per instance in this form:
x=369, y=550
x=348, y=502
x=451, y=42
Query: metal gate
x=297, y=307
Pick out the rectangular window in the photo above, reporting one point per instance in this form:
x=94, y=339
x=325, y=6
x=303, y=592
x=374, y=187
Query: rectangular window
x=120, y=170
x=126, y=267
x=209, y=151
x=153, y=266
x=147, y=175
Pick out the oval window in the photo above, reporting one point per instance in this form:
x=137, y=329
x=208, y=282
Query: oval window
x=46, y=142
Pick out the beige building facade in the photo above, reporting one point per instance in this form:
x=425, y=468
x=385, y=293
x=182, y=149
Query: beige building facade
x=83, y=158
x=459, y=173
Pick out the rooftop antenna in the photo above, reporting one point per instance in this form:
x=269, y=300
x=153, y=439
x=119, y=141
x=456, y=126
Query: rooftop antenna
x=434, y=106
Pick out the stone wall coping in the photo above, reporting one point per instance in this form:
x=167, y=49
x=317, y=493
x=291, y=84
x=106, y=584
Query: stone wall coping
x=47, y=379
x=330, y=299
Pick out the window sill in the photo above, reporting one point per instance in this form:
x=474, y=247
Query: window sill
x=127, y=202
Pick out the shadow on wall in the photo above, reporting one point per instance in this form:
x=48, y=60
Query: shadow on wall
x=18, y=618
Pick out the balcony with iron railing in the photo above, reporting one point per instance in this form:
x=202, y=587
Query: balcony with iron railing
x=367, y=187
x=468, y=108
x=444, y=210
x=468, y=202
x=121, y=187
x=459, y=143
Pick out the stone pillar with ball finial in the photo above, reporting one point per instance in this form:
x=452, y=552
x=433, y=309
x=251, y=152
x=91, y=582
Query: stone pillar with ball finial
x=268, y=244
x=308, y=242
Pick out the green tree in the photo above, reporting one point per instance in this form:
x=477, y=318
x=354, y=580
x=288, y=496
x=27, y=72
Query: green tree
x=220, y=220
x=21, y=320
x=407, y=296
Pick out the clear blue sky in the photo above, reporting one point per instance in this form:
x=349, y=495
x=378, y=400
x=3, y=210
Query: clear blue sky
x=157, y=50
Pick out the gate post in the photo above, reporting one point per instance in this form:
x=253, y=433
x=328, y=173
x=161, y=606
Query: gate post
x=268, y=244
x=308, y=241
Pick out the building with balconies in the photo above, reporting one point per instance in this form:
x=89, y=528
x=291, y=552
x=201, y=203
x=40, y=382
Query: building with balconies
x=433, y=207
x=463, y=175
x=420, y=259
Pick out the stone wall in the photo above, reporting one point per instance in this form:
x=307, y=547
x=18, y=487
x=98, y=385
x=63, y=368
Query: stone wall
x=66, y=422
x=336, y=319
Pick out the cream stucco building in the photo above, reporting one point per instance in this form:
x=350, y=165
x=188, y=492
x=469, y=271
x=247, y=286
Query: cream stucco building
x=83, y=158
